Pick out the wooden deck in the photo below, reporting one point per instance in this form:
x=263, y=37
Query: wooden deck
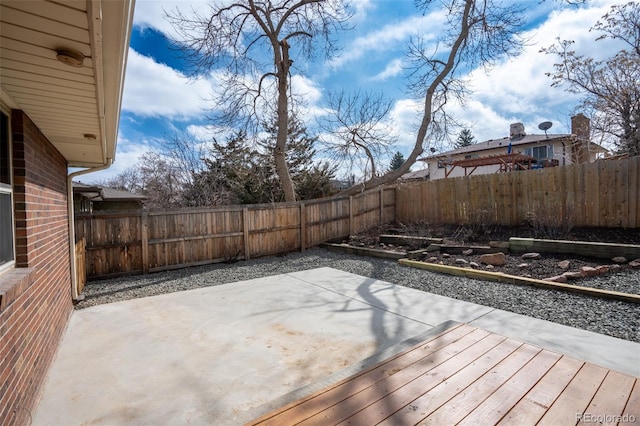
x=468, y=376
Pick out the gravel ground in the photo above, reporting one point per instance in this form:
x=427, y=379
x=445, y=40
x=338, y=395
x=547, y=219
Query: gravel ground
x=613, y=318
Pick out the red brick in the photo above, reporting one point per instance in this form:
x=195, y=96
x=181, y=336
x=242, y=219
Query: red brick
x=32, y=325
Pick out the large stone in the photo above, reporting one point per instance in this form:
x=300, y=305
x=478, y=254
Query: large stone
x=635, y=264
x=474, y=265
x=573, y=275
x=564, y=264
x=532, y=256
x=460, y=262
x=557, y=279
x=602, y=269
x=619, y=260
x=588, y=271
x=468, y=252
x=495, y=259
x=523, y=266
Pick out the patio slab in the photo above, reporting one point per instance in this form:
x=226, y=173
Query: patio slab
x=226, y=354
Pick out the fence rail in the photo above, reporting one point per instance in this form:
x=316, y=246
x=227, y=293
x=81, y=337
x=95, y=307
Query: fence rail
x=143, y=241
x=601, y=194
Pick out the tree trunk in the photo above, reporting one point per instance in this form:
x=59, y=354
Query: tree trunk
x=279, y=153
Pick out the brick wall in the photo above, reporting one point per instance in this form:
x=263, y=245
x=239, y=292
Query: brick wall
x=33, y=320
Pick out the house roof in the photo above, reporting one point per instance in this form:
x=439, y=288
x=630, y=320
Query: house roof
x=97, y=193
x=502, y=143
x=76, y=107
x=418, y=174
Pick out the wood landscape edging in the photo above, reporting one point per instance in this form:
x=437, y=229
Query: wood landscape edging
x=512, y=279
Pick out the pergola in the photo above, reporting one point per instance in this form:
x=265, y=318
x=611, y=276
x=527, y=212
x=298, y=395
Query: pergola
x=507, y=163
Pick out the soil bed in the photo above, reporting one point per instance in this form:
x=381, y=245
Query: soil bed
x=546, y=266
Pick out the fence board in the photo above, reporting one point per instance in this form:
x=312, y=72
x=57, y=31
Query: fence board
x=634, y=190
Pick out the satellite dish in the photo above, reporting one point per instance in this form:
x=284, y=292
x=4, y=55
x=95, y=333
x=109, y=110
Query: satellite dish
x=545, y=125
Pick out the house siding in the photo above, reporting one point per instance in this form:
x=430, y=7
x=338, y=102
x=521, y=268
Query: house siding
x=34, y=317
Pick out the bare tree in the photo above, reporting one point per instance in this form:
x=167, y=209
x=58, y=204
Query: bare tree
x=159, y=180
x=611, y=94
x=479, y=33
x=235, y=36
x=355, y=127
x=127, y=180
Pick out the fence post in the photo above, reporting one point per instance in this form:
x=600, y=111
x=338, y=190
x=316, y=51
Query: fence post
x=245, y=232
x=144, y=223
x=303, y=227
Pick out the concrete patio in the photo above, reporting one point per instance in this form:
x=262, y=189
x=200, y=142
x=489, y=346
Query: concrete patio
x=227, y=354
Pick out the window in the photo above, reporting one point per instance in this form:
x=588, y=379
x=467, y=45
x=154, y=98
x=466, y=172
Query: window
x=540, y=152
x=6, y=203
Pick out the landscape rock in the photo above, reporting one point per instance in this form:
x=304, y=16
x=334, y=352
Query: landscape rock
x=460, y=262
x=432, y=259
x=495, y=259
x=573, y=275
x=446, y=255
x=602, y=269
x=588, y=271
x=619, y=260
x=531, y=256
x=557, y=279
x=523, y=266
x=468, y=252
x=613, y=268
x=474, y=265
x=564, y=264
x=635, y=264
x=489, y=267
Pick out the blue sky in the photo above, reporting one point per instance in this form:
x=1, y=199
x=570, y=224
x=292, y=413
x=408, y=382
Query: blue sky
x=159, y=100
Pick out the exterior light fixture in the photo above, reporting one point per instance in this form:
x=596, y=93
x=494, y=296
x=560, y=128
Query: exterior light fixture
x=69, y=57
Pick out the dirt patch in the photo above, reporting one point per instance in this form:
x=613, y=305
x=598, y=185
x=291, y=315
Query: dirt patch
x=544, y=266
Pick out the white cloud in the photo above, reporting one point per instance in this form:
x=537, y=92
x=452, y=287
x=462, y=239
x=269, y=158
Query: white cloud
x=390, y=37
x=153, y=89
x=393, y=69
x=151, y=13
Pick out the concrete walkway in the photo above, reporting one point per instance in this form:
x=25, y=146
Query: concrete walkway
x=226, y=354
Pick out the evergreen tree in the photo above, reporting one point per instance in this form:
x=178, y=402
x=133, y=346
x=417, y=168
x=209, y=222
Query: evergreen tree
x=465, y=138
x=397, y=161
x=241, y=174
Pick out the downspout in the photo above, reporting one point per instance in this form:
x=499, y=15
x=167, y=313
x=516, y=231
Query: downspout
x=72, y=229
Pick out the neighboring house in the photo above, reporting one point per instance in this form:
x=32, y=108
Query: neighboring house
x=62, y=67
x=87, y=198
x=415, y=176
x=518, y=151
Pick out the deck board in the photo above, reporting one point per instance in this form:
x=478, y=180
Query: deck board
x=468, y=375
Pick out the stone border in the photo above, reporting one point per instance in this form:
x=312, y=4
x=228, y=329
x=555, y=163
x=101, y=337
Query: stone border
x=512, y=279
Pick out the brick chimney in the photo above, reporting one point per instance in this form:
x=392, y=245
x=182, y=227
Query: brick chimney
x=581, y=129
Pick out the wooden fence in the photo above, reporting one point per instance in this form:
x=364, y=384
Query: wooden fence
x=600, y=194
x=148, y=241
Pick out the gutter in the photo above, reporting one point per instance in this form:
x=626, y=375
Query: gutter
x=72, y=229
